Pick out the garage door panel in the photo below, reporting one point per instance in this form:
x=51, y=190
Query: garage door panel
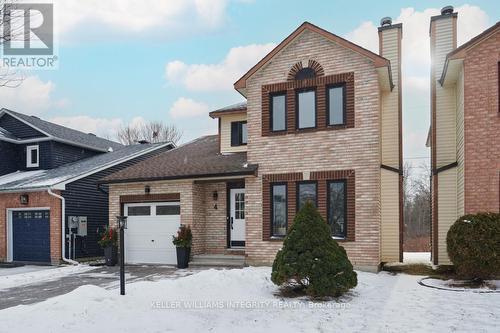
x=148, y=239
x=31, y=236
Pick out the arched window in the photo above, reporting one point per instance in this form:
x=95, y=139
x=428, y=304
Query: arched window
x=298, y=72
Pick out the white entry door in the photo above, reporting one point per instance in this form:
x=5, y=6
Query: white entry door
x=237, y=217
x=150, y=227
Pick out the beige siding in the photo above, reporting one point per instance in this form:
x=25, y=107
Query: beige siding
x=225, y=131
x=390, y=117
x=447, y=210
x=390, y=152
x=445, y=97
x=390, y=216
x=460, y=143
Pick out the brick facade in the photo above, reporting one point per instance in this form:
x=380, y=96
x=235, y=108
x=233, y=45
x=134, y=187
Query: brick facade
x=36, y=200
x=197, y=205
x=482, y=126
x=356, y=148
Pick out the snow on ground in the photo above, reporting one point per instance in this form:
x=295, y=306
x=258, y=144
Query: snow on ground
x=243, y=300
x=417, y=257
x=19, y=276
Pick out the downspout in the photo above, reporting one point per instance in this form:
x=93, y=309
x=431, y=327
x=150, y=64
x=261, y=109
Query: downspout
x=63, y=226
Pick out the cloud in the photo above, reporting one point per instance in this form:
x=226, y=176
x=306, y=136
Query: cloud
x=220, y=76
x=99, y=126
x=416, y=62
x=188, y=108
x=77, y=18
x=33, y=96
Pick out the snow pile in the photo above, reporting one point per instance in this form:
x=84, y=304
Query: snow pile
x=243, y=300
x=19, y=276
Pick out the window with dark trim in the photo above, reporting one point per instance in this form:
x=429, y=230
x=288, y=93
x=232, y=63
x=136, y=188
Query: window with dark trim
x=306, y=191
x=238, y=133
x=279, y=209
x=278, y=112
x=337, y=207
x=306, y=108
x=335, y=104
x=139, y=211
x=167, y=210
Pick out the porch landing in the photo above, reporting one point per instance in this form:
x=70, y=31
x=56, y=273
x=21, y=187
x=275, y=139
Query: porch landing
x=218, y=260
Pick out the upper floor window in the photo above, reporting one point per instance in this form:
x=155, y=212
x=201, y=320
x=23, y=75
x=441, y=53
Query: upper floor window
x=306, y=191
x=336, y=104
x=32, y=156
x=239, y=133
x=306, y=109
x=337, y=208
x=305, y=73
x=278, y=112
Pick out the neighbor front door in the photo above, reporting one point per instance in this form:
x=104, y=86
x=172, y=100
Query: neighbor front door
x=237, y=217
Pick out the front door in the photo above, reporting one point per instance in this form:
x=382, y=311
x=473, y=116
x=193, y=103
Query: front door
x=237, y=217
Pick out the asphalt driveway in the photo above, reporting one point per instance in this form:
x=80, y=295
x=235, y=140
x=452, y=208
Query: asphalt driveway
x=106, y=277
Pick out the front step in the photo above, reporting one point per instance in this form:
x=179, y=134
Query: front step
x=217, y=260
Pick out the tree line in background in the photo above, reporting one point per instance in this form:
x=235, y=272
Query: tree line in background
x=417, y=207
x=152, y=132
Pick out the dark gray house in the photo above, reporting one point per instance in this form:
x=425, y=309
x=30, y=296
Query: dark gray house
x=48, y=183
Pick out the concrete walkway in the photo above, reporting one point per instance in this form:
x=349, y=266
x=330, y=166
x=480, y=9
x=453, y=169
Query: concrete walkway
x=106, y=277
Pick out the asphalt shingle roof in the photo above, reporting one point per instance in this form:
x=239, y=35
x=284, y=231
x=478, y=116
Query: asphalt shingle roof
x=196, y=159
x=68, y=134
x=23, y=180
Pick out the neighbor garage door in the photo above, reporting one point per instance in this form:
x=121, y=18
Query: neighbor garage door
x=31, y=235
x=150, y=227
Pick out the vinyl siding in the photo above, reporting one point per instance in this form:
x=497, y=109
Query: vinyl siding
x=447, y=210
x=18, y=128
x=225, y=133
x=10, y=155
x=390, y=216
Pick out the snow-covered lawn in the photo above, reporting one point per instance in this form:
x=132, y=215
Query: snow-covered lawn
x=19, y=276
x=243, y=300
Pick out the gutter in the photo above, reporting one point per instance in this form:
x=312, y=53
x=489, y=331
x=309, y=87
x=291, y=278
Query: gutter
x=63, y=226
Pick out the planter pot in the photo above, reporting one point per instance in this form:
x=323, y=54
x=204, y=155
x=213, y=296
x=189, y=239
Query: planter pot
x=183, y=256
x=111, y=255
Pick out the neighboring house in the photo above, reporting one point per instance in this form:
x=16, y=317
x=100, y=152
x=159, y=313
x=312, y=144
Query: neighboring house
x=48, y=176
x=465, y=126
x=322, y=122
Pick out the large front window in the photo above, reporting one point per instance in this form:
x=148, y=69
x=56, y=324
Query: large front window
x=306, y=109
x=337, y=208
x=306, y=192
x=279, y=210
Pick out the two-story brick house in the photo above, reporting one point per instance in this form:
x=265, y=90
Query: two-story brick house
x=48, y=180
x=465, y=126
x=321, y=122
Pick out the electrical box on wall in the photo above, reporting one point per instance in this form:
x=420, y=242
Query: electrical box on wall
x=79, y=223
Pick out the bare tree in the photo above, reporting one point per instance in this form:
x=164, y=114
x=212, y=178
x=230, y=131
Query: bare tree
x=9, y=77
x=153, y=131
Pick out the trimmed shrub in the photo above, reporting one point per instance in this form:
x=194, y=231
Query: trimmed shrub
x=473, y=244
x=310, y=260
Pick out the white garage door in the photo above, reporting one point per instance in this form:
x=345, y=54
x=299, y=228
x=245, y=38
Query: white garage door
x=148, y=237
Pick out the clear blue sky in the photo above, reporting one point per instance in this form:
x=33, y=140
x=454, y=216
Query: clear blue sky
x=111, y=70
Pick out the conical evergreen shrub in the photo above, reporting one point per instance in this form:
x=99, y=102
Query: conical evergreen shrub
x=310, y=260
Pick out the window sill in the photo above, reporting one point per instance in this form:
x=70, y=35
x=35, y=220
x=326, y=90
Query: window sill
x=276, y=238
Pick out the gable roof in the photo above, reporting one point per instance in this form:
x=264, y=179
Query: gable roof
x=63, y=134
x=57, y=178
x=199, y=158
x=231, y=109
x=378, y=60
x=454, y=58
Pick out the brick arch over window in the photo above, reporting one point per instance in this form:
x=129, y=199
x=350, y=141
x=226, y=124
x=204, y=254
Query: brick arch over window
x=299, y=69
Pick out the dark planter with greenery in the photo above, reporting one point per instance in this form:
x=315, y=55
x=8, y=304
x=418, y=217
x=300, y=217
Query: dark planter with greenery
x=311, y=262
x=182, y=244
x=109, y=242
